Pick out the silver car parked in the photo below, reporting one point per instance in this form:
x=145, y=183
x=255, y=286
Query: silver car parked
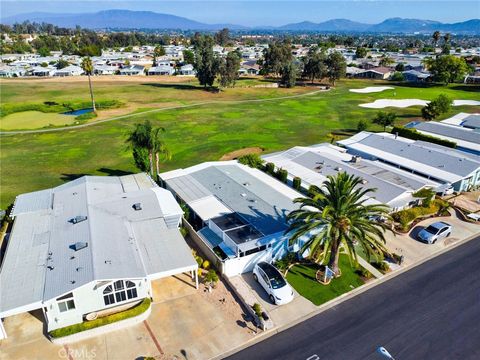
x=436, y=231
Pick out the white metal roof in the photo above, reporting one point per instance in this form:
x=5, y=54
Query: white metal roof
x=42, y=262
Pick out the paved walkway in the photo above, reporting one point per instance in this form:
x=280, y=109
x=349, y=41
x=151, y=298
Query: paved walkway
x=157, y=110
x=364, y=263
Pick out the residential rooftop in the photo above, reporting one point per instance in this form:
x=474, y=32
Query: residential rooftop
x=218, y=188
x=433, y=161
x=92, y=228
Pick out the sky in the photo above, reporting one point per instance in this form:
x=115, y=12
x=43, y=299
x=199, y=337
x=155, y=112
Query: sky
x=264, y=12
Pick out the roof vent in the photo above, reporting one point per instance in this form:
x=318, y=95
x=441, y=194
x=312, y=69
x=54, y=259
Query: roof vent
x=79, y=245
x=243, y=194
x=50, y=267
x=78, y=219
x=109, y=262
x=338, y=168
x=137, y=206
x=364, y=181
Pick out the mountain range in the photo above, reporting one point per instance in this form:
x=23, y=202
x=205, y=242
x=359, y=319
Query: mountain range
x=127, y=19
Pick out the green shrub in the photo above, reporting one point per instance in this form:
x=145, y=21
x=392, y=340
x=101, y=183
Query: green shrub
x=398, y=76
x=362, y=125
x=297, y=183
x=211, y=277
x=282, y=175
x=199, y=260
x=270, y=168
x=363, y=273
x=252, y=160
x=183, y=231
x=87, y=325
x=381, y=265
x=285, y=262
x=405, y=217
x=257, y=308
x=415, y=135
x=206, y=264
x=86, y=116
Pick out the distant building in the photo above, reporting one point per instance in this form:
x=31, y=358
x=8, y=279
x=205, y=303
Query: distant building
x=377, y=73
x=132, y=70
x=435, y=162
x=187, y=70
x=466, y=139
x=71, y=70
x=161, y=70
x=415, y=76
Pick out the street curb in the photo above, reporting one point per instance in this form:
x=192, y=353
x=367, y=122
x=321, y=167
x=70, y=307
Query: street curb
x=344, y=297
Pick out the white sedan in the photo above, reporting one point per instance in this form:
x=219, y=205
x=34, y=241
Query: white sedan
x=277, y=288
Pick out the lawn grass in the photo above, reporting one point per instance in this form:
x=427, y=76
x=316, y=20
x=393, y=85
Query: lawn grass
x=303, y=279
x=32, y=162
x=34, y=119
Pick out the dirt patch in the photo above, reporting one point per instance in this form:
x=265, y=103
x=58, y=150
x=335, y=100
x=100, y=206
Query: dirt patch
x=237, y=153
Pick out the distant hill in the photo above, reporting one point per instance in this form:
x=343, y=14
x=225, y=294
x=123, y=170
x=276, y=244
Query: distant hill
x=126, y=19
x=342, y=25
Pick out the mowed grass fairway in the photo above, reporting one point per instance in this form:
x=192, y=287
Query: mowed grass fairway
x=34, y=119
x=232, y=120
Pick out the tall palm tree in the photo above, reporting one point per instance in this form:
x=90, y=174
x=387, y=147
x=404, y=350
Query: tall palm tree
x=436, y=37
x=337, y=216
x=87, y=67
x=144, y=139
x=159, y=147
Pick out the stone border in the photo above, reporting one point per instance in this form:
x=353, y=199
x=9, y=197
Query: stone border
x=344, y=297
x=86, y=334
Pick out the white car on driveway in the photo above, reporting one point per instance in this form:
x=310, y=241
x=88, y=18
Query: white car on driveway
x=436, y=231
x=277, y=288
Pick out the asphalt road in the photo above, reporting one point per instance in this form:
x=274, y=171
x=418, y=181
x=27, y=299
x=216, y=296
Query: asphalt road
x=429, y=312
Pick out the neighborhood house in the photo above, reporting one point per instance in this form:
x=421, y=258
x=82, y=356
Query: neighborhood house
x=91, y=247
x=239, y=213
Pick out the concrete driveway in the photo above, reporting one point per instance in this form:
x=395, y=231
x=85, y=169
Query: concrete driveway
x=414, y=250
x=184, y=322
x=279, y=314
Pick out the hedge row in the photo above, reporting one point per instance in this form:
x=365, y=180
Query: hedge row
x=415, y=135
x=87, y=325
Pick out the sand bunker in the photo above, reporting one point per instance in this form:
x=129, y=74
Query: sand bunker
x=371, y=89
x=465, y=102
x=403, y=103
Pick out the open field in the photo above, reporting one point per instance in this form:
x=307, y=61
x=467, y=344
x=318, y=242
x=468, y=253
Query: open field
x=34, y=119
x=205, y=132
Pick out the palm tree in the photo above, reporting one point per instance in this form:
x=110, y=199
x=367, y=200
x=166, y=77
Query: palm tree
x=436, y=37
x=336, y=216
x=159, y=147
x=87, y=67
x=146, y=141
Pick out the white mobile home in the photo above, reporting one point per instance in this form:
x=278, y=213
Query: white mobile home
x=239, y=213
x=90, y=247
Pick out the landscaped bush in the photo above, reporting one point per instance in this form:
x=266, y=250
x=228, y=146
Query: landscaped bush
x=252, y=160
x=206, y=264
x=282, y=175
x=381, y=265
x=415, y=135
x=199, y=260
x=363, y=273
x=270, y=168
x=285, y=262
x=211, y=277
x=297, y=183
x=87, y=325
x=405, y=217
x=183, y=231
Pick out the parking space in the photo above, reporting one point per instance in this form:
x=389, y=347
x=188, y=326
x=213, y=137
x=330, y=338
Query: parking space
x=184, y=323
x=279, y=314
x=414, y=250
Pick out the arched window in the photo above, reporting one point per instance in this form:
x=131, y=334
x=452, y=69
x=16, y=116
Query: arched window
x=119, y=292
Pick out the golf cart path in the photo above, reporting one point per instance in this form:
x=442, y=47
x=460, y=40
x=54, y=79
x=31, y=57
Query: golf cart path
x=158, y=110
